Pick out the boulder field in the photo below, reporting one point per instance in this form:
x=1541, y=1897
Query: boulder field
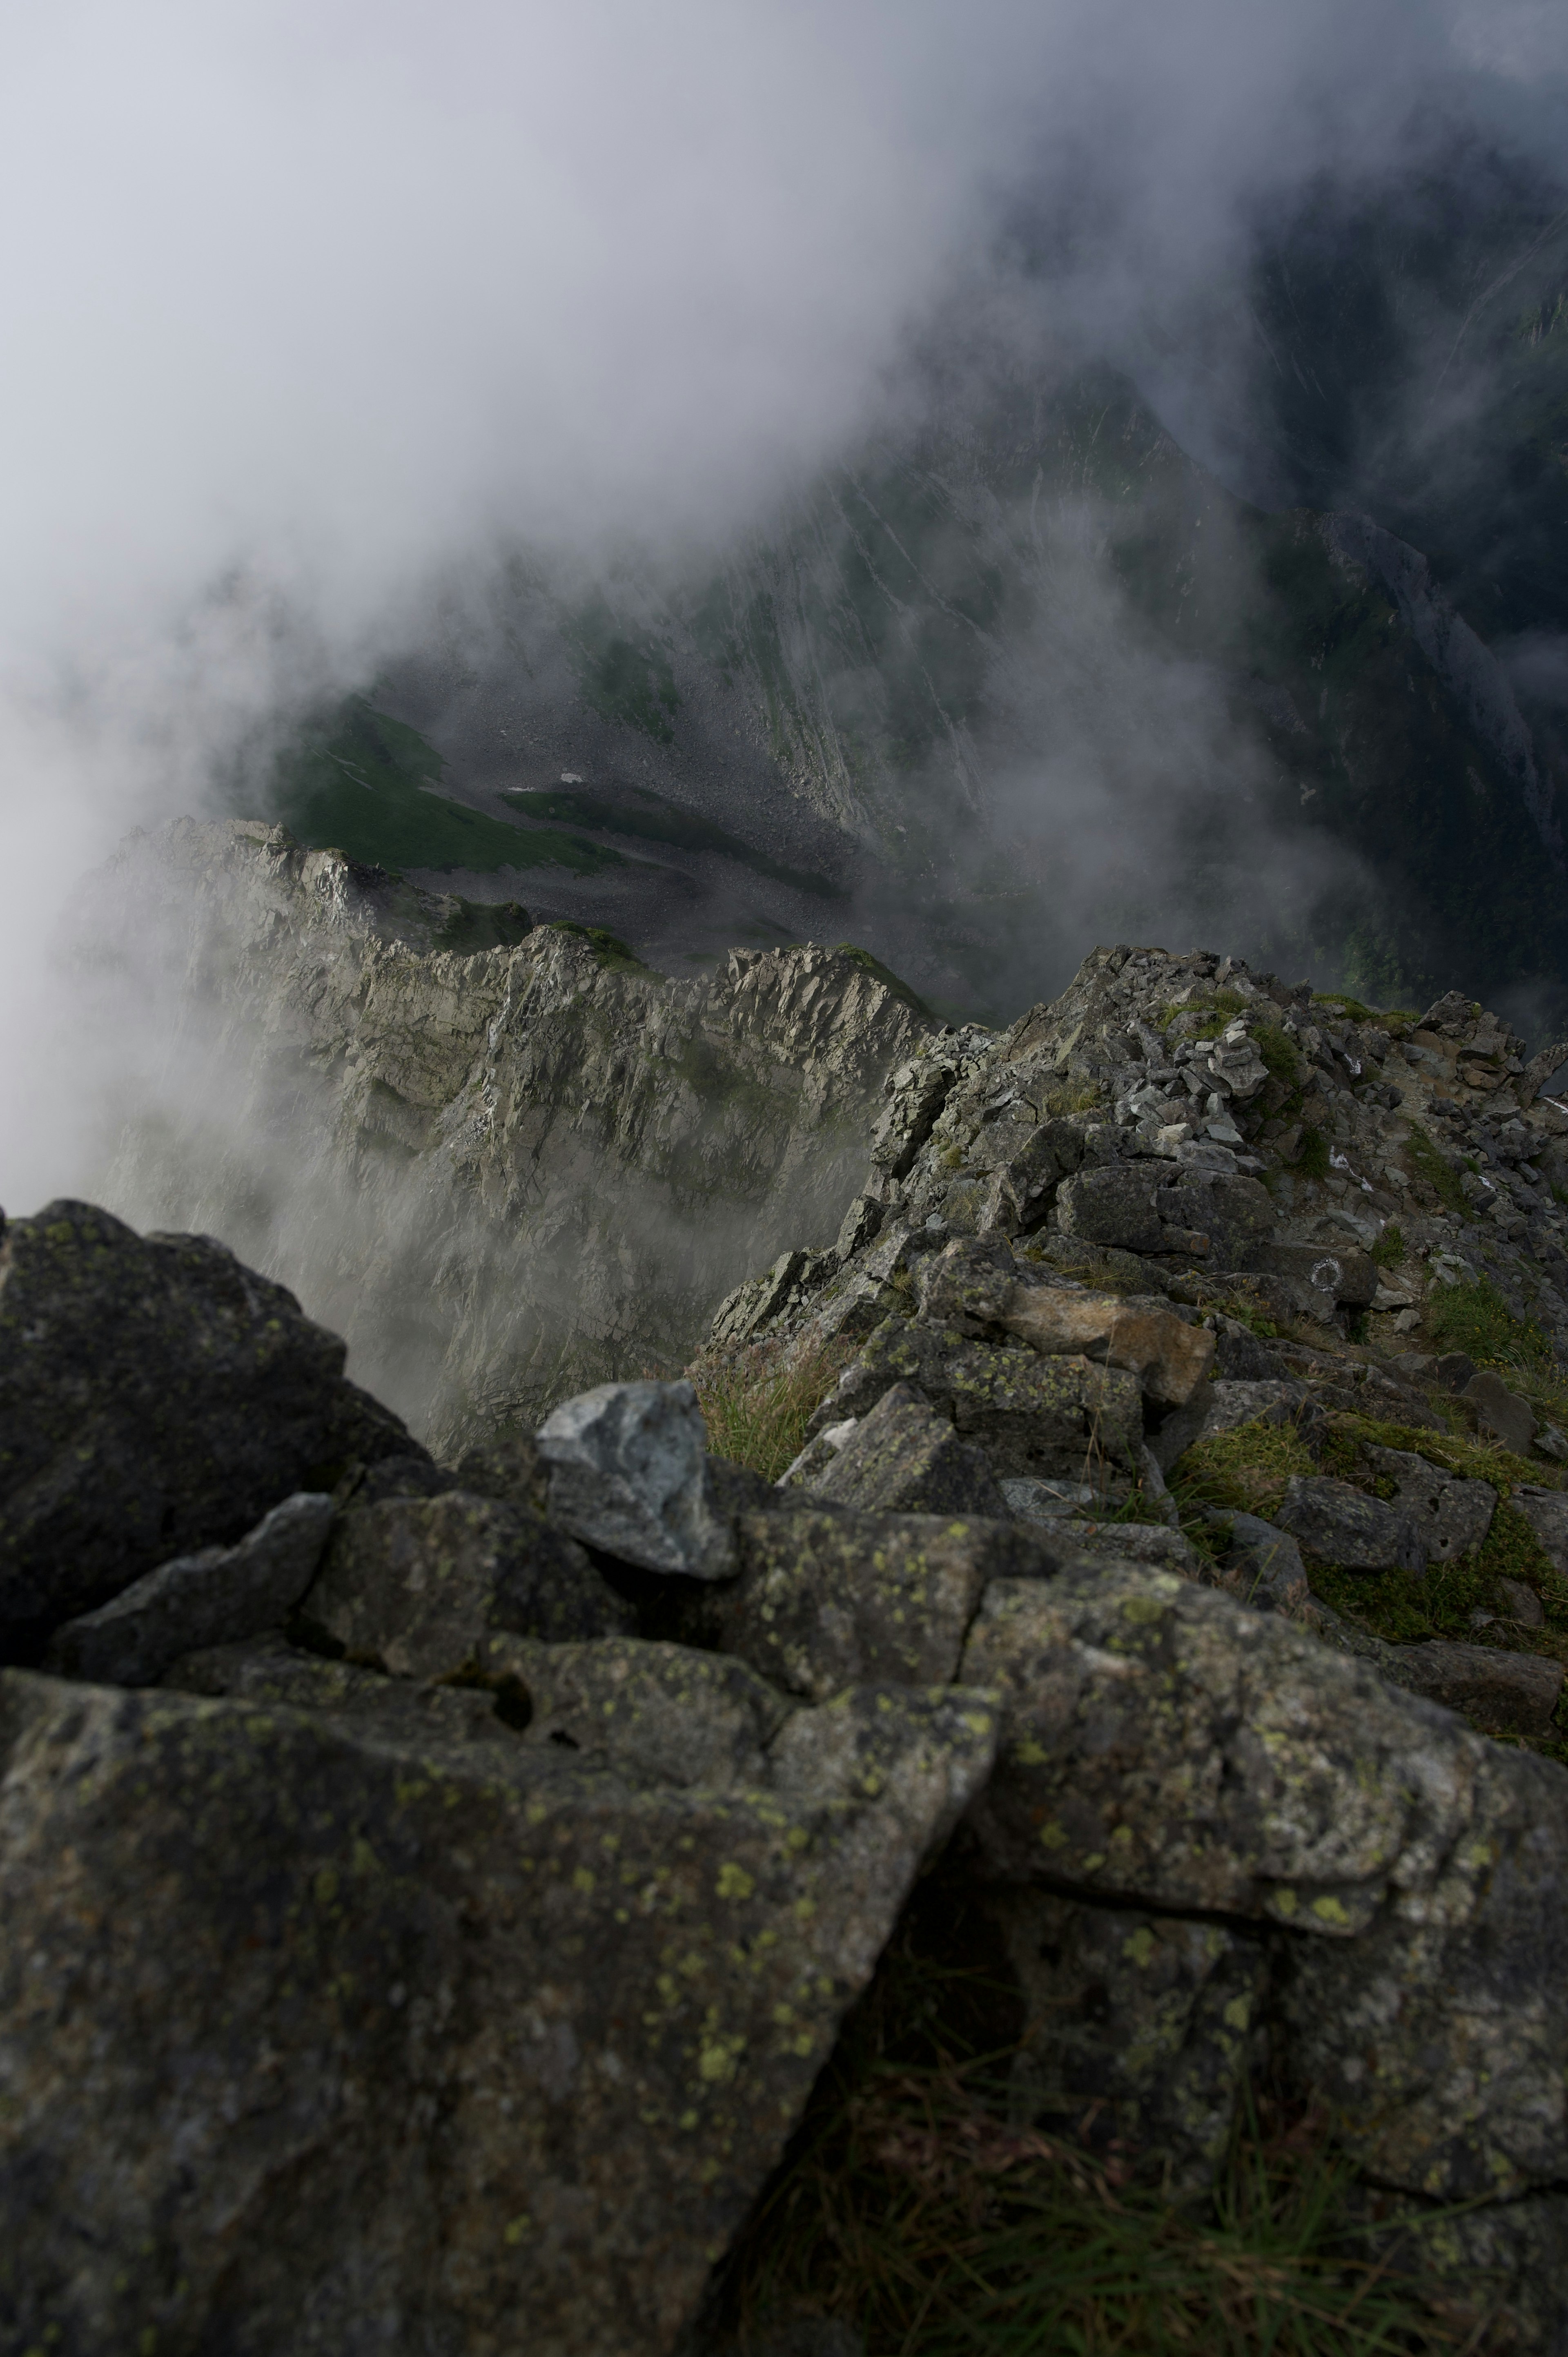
x=432, y=1886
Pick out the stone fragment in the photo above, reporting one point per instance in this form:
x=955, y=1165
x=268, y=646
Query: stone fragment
x=967, y=1286
x=212, y=1598
x=1453, y=1516
x=1263, y=1568
x=1236, y=1214
x=1153, y=1543
x=829, y=1598
x=1502, y=1694
x=1521, y=1604
x=1546, y=1511
x=1342, y=1525
x=626, y=1475
x=1500, y=1412
x=351, y=2040
x=1230, y=1404
x=157, y=1396
x=1146, y=1337
x=905, y=1459
x=1139, y=2026
x=1030, y=1500
x=414, y=1584
x=1162, y=1747
x=1452, y=1370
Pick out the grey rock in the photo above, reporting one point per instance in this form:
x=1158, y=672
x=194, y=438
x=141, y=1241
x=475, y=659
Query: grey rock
x=1500, y=1412
x=157, y=1397
x=1112, y=1206
x=1342, y=1525
x=1230, y=1404
x=1162, y=1747
x=829, y=1598
x=1263, y=1567
x=1031, y=1499
x=1153, y=1543
x=1521, y=1604
x=626, y=1474
x=213, y=1598
x=1142, y=2025
x=454, y=2028
x=1453, y=1516
x=1502, y=1694
x=903, y=1457
x=1453, y=1369
x=1546, y=1511
x=1320, y=1277
x=414, y=1585
x=509, y=1466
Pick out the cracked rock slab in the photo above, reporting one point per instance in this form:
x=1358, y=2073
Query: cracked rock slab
x=322, y=2038
x=213, y=1598
x=1162, y=1745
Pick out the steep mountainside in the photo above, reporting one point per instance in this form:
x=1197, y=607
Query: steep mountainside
x=503, y=1172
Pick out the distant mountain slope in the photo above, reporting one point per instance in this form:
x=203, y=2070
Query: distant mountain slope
x=1030, y=679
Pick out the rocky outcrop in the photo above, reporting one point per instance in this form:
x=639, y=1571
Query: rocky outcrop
x=504, y=1176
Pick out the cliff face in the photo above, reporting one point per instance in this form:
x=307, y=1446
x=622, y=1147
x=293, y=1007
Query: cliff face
x=504, y=1176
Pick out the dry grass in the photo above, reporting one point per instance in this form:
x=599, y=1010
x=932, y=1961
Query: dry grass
x=757, y=1398
x=911, y=2206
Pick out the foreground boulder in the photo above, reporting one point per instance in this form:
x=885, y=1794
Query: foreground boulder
x=157, y=1396
x=334, y=2035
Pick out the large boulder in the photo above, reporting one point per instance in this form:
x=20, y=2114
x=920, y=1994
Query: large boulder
x=340, y=2036
x=157, y=1397
x=414, y=1585
x=1163, y=1747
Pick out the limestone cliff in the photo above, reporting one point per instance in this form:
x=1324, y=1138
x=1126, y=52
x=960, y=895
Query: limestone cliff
x=503, y=1175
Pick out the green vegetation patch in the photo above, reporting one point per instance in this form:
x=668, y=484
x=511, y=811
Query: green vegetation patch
x=1244, y=1471
x=1429, y=1164
x=1477, y=1320
x=757, y=1399
x=650, y=818
x=360, y=783
x=609, y=949
x=1390, y=1249
x=1312, y=1154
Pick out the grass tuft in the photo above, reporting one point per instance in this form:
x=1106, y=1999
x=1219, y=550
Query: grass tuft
x=1390, y=1249
x=1475, y=1318
x=914, y=2205
x=757, y=1399
x=1241, y=1471
x=1429, y=1164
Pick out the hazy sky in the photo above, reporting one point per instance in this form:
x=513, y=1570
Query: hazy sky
x=306, y=302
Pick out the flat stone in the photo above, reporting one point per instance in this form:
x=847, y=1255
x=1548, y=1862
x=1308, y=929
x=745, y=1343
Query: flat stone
x=1453, y=1516
x=157, y=1397
x=1342, y=1525
x=350, y=2038
x=626, y=1475
x=1502, y=1694
x=1502, y=1412
x=415, y=1584
x=903, y=1457
x=829, y=1598
x=1153, y=1543
x=1030, y=1500
x=213, y=1598
x=1147, y=1338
